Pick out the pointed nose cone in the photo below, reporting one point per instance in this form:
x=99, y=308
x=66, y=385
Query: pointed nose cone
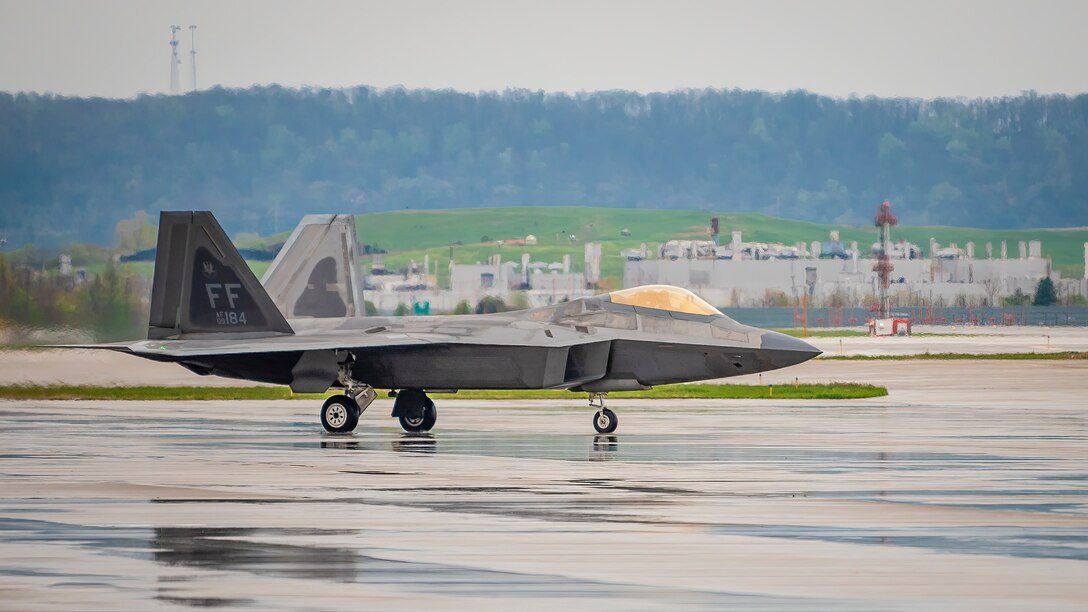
x=780, y=350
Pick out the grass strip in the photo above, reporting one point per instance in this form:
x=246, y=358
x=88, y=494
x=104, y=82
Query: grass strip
x=81, y=392
x=697, y=391
x=700, y=391
x=1063, y=356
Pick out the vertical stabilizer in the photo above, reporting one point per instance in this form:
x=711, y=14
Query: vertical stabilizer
x=202, y=284
x=316, y=273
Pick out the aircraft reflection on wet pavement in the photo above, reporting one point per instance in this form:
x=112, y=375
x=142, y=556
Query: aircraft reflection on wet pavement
x=416, y=443
x=630, y=447
x=211, y=315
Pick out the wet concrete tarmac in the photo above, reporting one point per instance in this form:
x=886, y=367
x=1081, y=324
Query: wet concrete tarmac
x=974, y=496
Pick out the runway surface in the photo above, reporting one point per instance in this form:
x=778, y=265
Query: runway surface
x=966, y=488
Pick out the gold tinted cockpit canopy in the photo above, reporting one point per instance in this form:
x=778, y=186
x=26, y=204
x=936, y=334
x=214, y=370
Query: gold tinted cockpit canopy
x=664, y=297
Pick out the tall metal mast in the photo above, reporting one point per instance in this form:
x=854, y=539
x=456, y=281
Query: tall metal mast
x=175, y=85
x=883, y=266
x=192, y=58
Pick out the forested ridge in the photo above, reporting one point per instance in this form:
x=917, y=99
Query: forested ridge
x=260, y=158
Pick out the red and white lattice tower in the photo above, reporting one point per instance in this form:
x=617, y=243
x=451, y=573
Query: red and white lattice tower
x=883, y=266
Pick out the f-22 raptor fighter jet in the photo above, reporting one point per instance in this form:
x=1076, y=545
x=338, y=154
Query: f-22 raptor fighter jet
x=210, y=314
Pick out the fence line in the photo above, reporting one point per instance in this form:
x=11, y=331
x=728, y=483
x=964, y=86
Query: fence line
x=1053, y=316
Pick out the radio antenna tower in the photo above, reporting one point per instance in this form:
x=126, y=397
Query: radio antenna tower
x=175, y=85
x=192, y=58
x=883, y=266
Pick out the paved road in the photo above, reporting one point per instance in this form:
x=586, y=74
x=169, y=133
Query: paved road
x=961, y=340
x=968, y=492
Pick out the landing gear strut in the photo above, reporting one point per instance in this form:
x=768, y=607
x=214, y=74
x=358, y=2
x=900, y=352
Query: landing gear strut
x=415, y=410
x=605, y=421
x=340, y=413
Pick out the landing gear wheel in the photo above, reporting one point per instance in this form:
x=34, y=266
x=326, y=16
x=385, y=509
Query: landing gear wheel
x=424, y=422
x=605, y=421
x=339, y=414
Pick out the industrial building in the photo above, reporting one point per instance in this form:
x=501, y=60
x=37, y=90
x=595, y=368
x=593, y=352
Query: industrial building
x=734, y=273
x=831, y=273
x=947, y=278
x=537, y=283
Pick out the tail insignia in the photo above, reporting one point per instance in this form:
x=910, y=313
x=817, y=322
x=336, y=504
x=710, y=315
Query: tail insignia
x=219, y=298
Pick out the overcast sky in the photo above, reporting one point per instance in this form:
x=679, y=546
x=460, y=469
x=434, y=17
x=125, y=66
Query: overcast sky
x=904, y=48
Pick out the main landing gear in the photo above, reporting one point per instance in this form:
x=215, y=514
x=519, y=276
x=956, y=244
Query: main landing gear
x=415, y=410
x=340, y=413
x=605, y=421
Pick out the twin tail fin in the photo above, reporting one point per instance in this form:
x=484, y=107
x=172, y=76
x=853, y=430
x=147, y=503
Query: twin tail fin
x=316, y=274
x=203, y=286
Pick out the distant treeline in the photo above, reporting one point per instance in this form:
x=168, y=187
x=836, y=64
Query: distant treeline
x=110, y=305
x=261, y=158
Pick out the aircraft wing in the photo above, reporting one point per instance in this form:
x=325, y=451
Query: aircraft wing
x=174, y=350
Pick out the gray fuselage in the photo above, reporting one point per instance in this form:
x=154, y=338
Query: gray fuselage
x=590, y=344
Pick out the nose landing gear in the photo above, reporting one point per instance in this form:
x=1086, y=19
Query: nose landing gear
x=605, y=421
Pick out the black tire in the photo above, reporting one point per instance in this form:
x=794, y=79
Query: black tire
x=424, y=422
x=339, y=414
x=605, y=421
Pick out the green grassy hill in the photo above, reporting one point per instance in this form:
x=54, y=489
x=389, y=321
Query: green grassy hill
x=408, y=235
x=411, y=234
